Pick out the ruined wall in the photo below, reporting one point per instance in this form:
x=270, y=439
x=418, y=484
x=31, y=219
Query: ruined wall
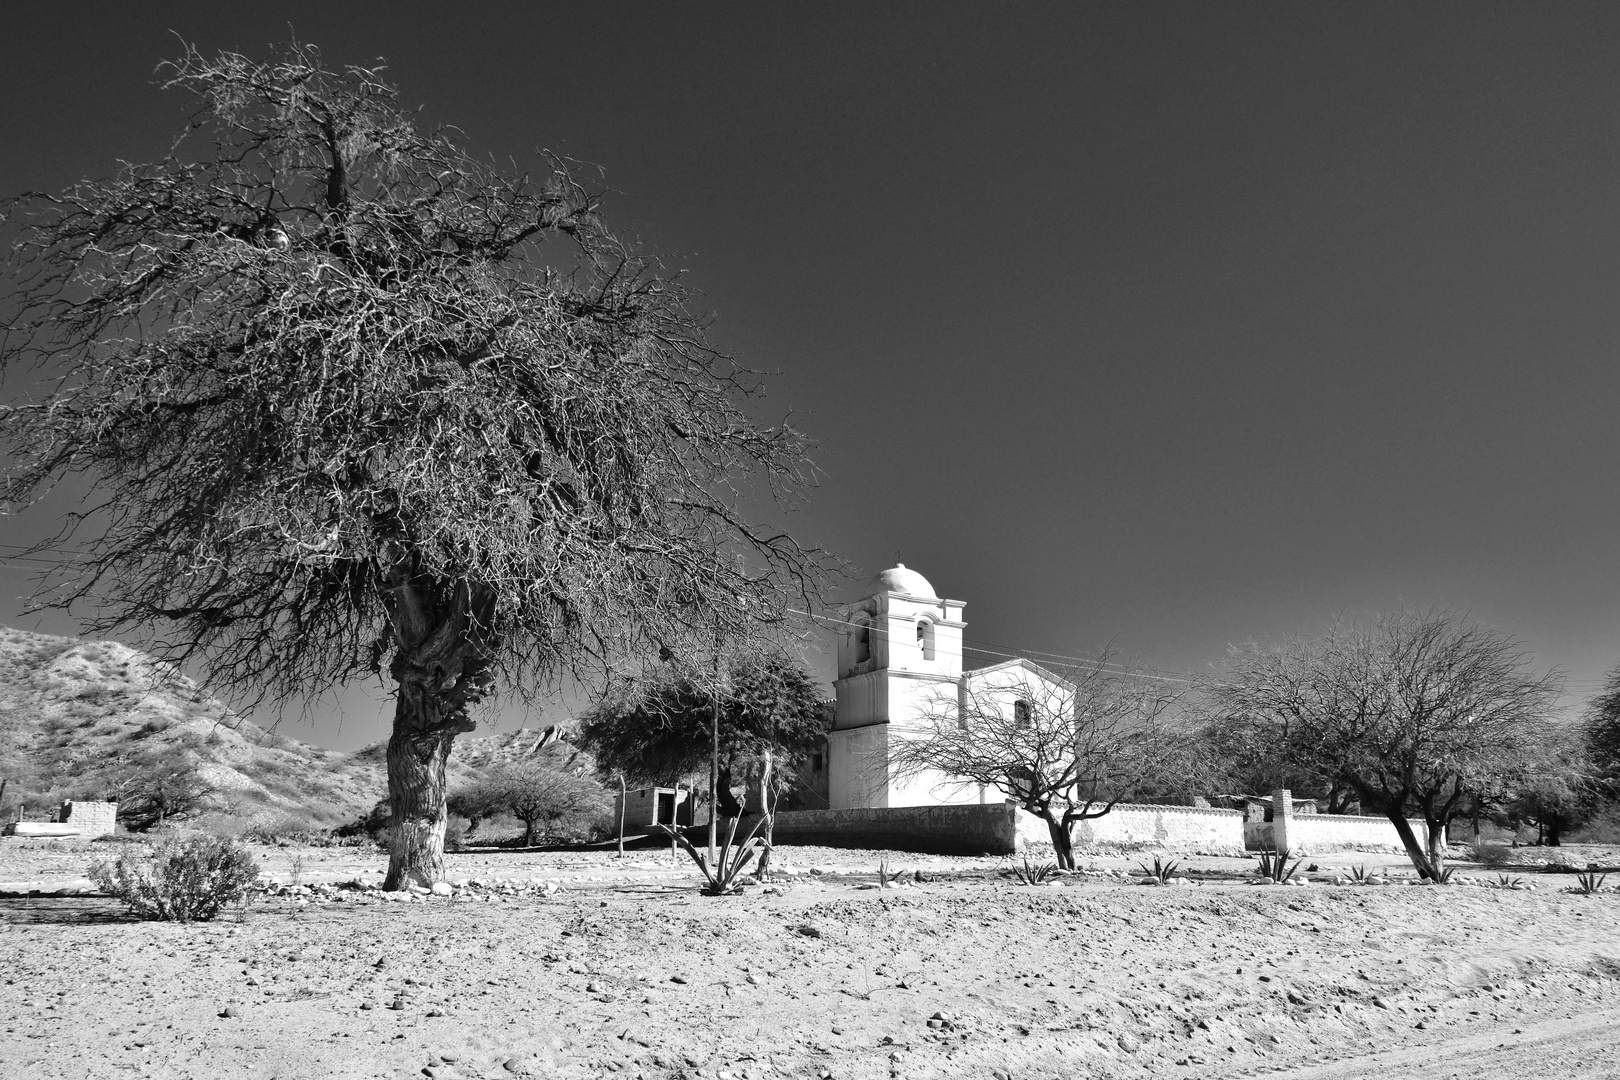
x=641, y=806
x=92, y=819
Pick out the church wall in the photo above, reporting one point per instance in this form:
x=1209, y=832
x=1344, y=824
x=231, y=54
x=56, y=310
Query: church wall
x=857, y=767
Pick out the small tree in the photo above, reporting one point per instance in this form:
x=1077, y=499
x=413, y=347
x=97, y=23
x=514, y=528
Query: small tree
x=1065, y=744
x=1418, y=713
x=657, y=730
x=352, y=400
x=159, y=786
x=1560, y=789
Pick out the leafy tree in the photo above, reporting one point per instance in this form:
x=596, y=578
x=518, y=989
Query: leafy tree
x=658, y=729
x=1066, y=745
x=158, y=786
x=1601, y=729
x=1417, y=713
x=1556, y=792
x=351, y=399
x=545, y=788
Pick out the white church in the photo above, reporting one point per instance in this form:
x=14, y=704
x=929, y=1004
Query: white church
x=899, y=665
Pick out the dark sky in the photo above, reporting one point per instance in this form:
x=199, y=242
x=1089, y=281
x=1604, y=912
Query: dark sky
x=1165, y=325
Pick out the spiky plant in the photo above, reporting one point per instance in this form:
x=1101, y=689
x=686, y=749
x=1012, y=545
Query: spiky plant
x=1589, y=884
x=725, y=876
x=1274, y=865
x=1034, y=873
x=1160, y=872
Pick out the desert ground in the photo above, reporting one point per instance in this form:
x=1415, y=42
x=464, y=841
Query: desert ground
x=584, y=964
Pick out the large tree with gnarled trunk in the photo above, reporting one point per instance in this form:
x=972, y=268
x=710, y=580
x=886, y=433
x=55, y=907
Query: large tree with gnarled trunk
x=352, y=399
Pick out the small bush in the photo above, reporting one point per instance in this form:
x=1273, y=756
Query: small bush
x=181, y=880
x=1490, y=853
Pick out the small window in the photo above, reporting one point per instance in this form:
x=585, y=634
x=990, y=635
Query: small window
x=925, y=638
x=818, y=761
x=863, y=643
x=1021, y=714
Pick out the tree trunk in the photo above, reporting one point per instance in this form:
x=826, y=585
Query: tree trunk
x=528, y=833
x=769, y=810
x=622, y=794
x=1555, y=831
x=417, y=752
x=1415, y=850
x=444, y=640
x=1062, y=843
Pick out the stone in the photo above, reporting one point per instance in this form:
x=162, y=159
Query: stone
x=230, y=1011
x=1129, y=1043
x=442, y=888
x=679, y=979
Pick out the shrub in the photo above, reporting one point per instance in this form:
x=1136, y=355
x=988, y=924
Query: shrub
x=182, y=879
x=1491, y=854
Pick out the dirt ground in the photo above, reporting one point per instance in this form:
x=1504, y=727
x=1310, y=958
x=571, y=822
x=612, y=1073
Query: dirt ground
x=624, y=970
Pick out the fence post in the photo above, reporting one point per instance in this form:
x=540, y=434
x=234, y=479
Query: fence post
x=1282, y=820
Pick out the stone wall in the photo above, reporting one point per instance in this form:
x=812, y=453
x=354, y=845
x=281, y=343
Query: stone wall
x=92, y=819
x=1309, y=834
x=1139, y=825
x=641, y=807
x=992, y=829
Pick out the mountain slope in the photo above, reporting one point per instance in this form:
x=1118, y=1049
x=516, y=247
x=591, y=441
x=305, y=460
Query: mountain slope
x=76, y=716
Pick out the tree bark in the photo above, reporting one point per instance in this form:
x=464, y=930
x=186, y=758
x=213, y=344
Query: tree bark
x=1421, y=857
x=444, y=641
x=1555, y=831
x=418, y=751
x=1062, y=842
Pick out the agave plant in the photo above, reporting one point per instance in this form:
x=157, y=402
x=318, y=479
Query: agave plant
x=1274, y=865
x=725, y=876
x=1589, y=884
x=1442, y=877
x=1160, y=872
x=1034, y=873
x=887, y=877
x=1505, y=882
x=1361, y=875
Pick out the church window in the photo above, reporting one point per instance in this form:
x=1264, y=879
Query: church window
x=925, y=638
x=1020, y=714
x=863, y=643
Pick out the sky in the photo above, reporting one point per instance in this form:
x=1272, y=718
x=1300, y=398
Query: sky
x=1153, y=326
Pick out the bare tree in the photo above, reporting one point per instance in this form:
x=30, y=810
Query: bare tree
x=1065, y=744
x=1418, y=713
x=353, y=400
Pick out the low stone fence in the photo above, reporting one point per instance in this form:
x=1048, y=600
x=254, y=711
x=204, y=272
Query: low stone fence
x=1140, y=825
x=1004, y=829
x=971, y=829
x=1311, y=834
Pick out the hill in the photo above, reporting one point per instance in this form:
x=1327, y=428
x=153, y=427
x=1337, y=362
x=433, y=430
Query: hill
x=77, y=716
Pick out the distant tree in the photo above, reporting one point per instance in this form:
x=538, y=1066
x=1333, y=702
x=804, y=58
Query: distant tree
x=159, y=786
x=1417, y=713
x=1601, y=730
x=543, y=789
x=657, y=730
x=352, y=399
x=1557, y=790
x=1066, y=745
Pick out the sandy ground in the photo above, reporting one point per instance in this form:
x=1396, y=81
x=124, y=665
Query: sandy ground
x=626, y=971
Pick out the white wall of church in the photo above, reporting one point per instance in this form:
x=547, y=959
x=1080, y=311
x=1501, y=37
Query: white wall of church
x=858, y=767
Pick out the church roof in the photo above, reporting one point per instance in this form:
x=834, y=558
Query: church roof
x=901, y=580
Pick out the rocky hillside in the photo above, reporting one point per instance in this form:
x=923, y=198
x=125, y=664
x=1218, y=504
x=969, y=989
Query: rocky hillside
x=77, y=716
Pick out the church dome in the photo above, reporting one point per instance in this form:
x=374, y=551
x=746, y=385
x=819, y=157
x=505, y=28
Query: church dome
x=899, y=579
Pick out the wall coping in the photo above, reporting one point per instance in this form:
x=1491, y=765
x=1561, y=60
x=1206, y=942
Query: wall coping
x=1206, y=811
